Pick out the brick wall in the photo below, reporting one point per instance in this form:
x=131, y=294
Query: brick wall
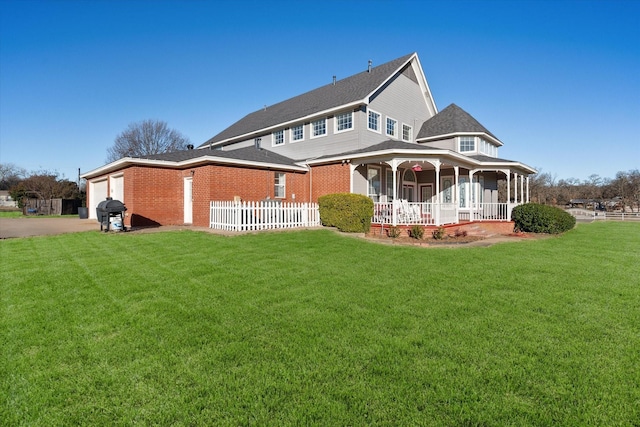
x=329, y=179
x=155, y=196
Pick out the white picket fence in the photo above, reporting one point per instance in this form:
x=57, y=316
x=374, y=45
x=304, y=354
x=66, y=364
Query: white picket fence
x=263, y=215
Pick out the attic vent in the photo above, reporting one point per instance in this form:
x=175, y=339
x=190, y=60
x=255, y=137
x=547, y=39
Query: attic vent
x=189, y=146
x=369, y=68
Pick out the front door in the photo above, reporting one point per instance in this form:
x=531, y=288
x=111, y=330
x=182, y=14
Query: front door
x=188, y=200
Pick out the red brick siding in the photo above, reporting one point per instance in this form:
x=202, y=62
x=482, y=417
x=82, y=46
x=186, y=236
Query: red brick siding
x=329, y=179
x=156, y=195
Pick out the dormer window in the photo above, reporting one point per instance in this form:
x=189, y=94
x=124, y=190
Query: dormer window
x=467, y=143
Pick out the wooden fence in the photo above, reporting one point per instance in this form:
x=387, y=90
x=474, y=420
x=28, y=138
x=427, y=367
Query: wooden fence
x=263, y=215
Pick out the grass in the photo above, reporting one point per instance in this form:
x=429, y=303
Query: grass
x=10, y=214
x=314, y=328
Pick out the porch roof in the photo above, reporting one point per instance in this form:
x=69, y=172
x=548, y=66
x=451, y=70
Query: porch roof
x=406, y=149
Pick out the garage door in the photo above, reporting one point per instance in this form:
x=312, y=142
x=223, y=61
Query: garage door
x=97, y=193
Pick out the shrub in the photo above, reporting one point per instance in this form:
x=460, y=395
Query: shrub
x=394, y=231
x=347, y=212
x=460, y=233
x=417, y=231
x=536, y=218
x=438, y=234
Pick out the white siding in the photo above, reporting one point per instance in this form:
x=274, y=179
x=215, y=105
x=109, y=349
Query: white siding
x=447, y=144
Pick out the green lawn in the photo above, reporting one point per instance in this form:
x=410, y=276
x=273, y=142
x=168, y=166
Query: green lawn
x=314, y=328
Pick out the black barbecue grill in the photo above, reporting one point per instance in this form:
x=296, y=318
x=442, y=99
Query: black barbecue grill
x=108, y=209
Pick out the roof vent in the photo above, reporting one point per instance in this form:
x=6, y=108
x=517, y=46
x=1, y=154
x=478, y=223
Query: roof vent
x=369, y=68
x=189, y=146
x=334, y=80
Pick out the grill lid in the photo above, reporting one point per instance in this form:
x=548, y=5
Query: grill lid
x=110, y=205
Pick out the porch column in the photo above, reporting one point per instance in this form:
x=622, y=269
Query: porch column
x=456, y=193
x=508, y=173
x=472, y=189
x=436, y=208
x=394, y=167
x=527, y=188
x=515, y=188
x=352, y=169
x=521, y=188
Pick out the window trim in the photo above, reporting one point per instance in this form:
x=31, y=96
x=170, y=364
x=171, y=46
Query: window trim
x=410, y=132
x=473, y=139
x=379, y=130
x=335, y=122
x=291, y=133
x=313, y=129
x=277, y=184
x=273, y=138
x=395, y=127
x=372, y=196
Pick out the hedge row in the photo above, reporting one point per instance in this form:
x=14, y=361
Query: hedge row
x=347, y=212
x=536, y=218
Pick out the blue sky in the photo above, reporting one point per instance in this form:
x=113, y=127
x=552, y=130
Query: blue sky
x=557, y=81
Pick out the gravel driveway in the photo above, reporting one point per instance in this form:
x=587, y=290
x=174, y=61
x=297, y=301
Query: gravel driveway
x=25, y=227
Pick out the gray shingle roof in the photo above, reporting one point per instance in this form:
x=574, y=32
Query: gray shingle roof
x=452, y=119
x=345, y=91
x=389, y=144
x=248, y=154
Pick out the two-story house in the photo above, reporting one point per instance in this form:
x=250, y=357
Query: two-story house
x=376, y=133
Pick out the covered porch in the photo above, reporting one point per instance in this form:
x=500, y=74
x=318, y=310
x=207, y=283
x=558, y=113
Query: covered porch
x=435, y=191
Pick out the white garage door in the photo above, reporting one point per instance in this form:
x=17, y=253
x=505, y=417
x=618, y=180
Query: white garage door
x=97, y=193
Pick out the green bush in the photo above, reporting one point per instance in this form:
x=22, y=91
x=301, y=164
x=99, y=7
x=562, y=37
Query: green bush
x=394, y=231
x=536, y=218
x=417, y=231
x=347, y=212
x=438, y=234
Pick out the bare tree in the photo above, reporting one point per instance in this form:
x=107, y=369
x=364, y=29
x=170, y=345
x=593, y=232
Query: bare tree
x=145, y=138
x=10, y=175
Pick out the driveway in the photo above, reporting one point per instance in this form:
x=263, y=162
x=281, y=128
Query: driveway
x=25, y=227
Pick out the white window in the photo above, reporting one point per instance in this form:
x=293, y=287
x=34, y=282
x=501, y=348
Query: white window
x=467, y=143
x=389, y=184
x=373, y=178
x=407, y=132
x=392, y=127
x=374, y=121
x=278, y=137
x=297, y=133
x=319, y=128
x=344, y=122
x=279, y=187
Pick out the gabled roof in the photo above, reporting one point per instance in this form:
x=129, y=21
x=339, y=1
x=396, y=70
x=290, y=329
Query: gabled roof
x=348, y=91
x=451, y=121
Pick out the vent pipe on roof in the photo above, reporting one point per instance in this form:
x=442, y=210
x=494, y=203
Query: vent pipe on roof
x=334, y=80
x=369, y=68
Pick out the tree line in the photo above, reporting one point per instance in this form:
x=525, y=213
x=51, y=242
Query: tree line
x=624, y=189
x=40, y=184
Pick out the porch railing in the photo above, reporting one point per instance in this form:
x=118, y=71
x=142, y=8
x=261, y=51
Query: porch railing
x=408, y=213
x=262, y=215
